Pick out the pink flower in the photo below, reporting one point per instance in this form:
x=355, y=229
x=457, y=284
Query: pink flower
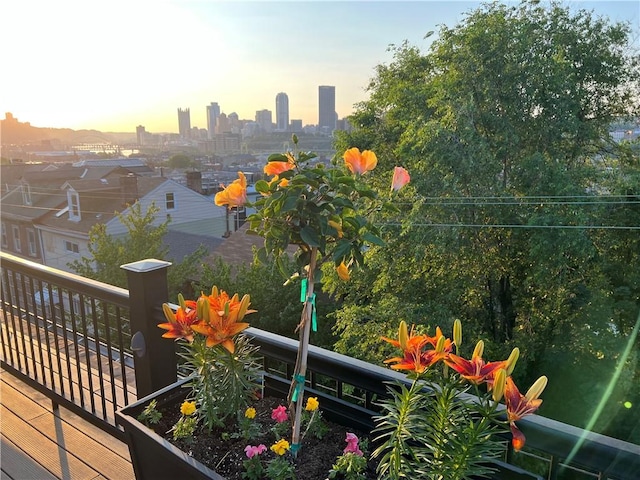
x=400, y=178
x=279, y=414
x=252, y=451
x=352, y=445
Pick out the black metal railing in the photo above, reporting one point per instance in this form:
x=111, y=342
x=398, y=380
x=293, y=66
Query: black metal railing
x=69, y=338
x=59, y=330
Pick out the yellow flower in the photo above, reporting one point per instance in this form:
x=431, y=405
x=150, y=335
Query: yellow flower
x=280, y=447
x=343, y=272
x=250, y=412
x=312, y=404
x=188, y=408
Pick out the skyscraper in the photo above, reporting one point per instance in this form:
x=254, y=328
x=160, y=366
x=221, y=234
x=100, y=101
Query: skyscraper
x=213, y=112
x=327, y=107
x=263, y=118
x=282, y=112
x=184, y=122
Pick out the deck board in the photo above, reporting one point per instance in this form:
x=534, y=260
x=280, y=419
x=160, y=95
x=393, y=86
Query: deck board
x=41, y=443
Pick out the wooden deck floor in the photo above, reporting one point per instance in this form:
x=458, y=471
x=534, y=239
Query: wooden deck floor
x=38, y=443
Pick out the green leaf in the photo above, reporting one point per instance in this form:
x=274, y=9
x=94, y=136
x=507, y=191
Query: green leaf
x=310, y=237
x=341, y=251
x=277, y=157
x=289, y=203
x=262, y=186
x=262, y=255
x=371, y=238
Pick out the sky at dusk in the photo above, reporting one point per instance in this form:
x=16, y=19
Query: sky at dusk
x=112, y=65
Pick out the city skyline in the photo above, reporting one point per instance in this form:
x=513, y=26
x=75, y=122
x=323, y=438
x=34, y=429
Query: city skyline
x=113, y=65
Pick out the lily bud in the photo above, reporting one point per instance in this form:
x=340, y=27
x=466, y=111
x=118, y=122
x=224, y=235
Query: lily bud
x=457, y=333
x=214, y=291
x=202, y=309
x=499, y=382
x=168, y=313
x=244, y=305
x=181, y=302
x=440, y=344
x=479, y=350
x=511, y=361
x=403, y=335
x=536, y=389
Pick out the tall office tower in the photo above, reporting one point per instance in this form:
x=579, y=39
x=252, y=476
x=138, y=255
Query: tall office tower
x=282, y=112
x=213, y=112
x=141, y=134
x=263, y=119
x=327, y=107
x=184, y=122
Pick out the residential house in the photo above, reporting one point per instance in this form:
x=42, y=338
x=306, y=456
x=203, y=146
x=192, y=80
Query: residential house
x=65, y=232
x=48, y=211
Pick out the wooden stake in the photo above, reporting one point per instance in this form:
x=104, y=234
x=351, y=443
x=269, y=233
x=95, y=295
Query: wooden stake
x=300, y=369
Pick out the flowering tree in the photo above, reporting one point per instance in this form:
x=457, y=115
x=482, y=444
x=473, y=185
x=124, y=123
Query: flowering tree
x=326, y=212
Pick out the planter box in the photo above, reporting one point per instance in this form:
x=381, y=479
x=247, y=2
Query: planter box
x=154, y=458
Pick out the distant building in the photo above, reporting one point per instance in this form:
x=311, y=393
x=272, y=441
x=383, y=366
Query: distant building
x=264, y=120
x=326, y=108
x=282, y=112
x=141, y=135
x=234, y=123
x=213, y=112
x=223, y=125
x=296, y=125
x=184, y=122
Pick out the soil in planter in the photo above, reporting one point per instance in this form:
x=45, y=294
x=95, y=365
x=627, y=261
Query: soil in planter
x=224, y=454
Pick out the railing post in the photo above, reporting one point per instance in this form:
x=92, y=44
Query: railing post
x=154, y=357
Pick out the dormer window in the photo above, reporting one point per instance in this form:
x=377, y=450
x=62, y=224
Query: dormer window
x=73, y=199
x=26, y=194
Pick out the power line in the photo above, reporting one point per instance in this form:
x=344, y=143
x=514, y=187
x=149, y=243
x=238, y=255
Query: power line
x=508, y=226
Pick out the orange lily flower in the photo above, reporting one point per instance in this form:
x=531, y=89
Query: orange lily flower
x=416, y=359
x=222, y=318
x=276, y=168
x=519, y=405
x=360, y=162
x=235, y=194
x=400, y=178
x=475, y=370
x=180, y=324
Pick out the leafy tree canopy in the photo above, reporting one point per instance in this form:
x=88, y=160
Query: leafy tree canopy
x=525, y=213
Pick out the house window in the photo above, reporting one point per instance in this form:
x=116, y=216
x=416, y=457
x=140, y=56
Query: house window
x=74, y=205
x=5, y=242
x=170, y=200
x=17, y=245
x=31, y=241
x=26, y=194
x=71, y=247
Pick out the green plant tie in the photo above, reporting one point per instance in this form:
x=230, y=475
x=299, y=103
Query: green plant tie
x=314, y=317
x=303, y=290
x=299, y=379
x=294, y=448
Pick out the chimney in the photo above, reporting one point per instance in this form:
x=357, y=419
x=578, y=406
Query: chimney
x=129, y=188
x=194, y=181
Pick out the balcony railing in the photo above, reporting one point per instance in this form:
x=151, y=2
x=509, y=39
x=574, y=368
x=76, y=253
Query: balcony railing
x=94, y=348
